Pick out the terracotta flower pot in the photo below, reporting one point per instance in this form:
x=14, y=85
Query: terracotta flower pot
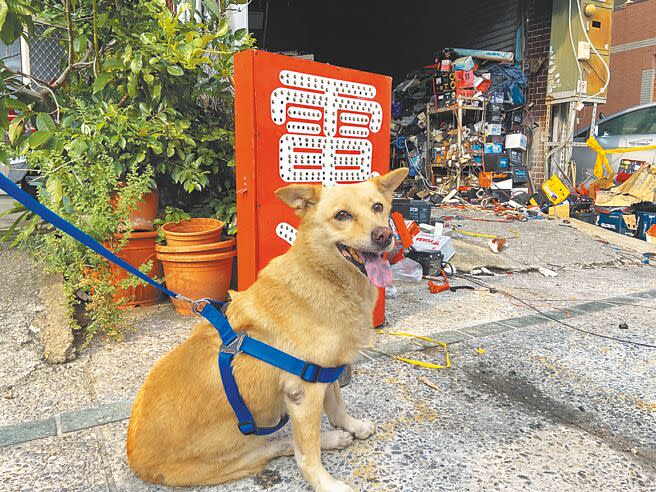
x=197, y=276
x=192, y=232
x=139, y=249
x=144, y=212
x=199, y=249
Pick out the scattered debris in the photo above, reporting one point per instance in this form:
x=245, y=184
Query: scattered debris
x=481, y=351
x=546, y=272
x=428, y=383
x=624, y=326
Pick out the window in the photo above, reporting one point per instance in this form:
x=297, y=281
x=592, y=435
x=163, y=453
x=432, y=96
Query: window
x=11, y=55
x=635, y=122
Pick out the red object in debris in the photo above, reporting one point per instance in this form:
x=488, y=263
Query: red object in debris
x=464, y=79
x=621, y=177
x=299, y=121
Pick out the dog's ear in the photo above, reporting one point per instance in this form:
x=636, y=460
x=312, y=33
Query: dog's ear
x=390, y=181
x=300, y=197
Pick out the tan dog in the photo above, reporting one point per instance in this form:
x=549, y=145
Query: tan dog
x=314, y=302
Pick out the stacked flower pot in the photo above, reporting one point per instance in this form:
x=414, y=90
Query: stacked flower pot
x=197, y=260
x=138, y=250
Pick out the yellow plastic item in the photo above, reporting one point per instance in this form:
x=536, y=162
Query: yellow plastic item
x=555, y=190
x=601, y=163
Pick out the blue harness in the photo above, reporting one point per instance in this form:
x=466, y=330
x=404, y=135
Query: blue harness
x=213, y=311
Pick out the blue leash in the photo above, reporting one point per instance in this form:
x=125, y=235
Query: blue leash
x=213, y=311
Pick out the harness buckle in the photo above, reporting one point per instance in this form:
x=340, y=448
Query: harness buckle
x=247, y=427
x=234, y=347
x=314, y=371
x=198, y=305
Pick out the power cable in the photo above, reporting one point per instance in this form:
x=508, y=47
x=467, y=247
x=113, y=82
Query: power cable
x=546, y=315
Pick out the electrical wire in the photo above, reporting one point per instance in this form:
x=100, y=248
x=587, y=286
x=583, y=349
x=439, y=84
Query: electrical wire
x=585, y=31
x=546, y=315
x=576, y=57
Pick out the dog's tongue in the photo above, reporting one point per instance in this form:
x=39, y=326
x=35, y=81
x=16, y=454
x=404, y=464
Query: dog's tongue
x=378, y=270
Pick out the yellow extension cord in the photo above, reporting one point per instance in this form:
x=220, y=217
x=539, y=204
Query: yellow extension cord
x=414, y=362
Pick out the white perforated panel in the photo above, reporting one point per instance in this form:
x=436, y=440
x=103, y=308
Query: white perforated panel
x=336, y=149
x=286, y=232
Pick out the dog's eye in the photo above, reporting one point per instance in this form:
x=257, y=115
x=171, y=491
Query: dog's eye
x=343, y=215
x=377, y=207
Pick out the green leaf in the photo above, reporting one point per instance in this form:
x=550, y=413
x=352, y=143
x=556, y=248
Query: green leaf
x=241, y=33
x=136, y=64
x=80, y=43
x=39, y=138
x=16, y=129
x=175, y=70
x=4, y=119
x=45, y=122
x=148, y=38
x=101, y=81
x=132, y=85
x=3, y=12
x=48, y=32
x=213, y=7
x=55, y=190
x=13, y=103
x=157, y=90
x=149, y=79
x=223, y=27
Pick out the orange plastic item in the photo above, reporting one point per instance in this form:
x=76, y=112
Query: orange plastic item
x=199, y=249
x=299, y=121
x=485, y=179
x=438, y=288
x=197, y=276
x=139, y=249
x=651, y=234
x=192, y=232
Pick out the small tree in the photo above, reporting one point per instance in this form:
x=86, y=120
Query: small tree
x=143, y=99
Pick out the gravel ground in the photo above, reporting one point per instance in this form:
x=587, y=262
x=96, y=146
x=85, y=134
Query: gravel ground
x=540, y=407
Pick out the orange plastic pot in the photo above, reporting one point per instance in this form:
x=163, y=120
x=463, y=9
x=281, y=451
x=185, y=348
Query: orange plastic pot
x=139, y=249
x=199, y=249
x=144, y=212
x=193, y=232
x=197, y=276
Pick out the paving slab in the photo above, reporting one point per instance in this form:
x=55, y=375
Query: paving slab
x=71, y=462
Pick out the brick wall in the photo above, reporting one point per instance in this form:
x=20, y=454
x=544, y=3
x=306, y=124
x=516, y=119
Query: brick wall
x=631, y=67
x=538, y=33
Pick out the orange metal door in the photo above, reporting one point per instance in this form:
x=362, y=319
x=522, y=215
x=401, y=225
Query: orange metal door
x=299, y=121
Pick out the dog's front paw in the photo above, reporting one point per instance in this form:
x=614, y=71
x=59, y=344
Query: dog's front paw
x=363, y=429
x=337, y=439
x=334, y=486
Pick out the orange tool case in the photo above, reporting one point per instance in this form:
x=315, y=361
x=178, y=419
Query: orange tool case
x=299, y=121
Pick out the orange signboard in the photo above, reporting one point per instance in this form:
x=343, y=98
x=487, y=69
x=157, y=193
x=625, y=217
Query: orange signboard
x=299, y=121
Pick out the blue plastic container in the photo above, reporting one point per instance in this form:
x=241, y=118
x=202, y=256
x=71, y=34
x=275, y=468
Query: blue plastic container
x=644, y=221
x=614, y=221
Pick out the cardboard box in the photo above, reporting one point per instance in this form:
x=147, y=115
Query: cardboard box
x=561, y=211
x=516, y=141
x=428, y=242
x=494, y=128
x=493, y=148
x=618, y=222
x=464, y=63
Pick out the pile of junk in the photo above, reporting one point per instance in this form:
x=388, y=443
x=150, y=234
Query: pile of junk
x=463, y=128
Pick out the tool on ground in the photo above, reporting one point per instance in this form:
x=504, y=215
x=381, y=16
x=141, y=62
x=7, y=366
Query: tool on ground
x=212, y=311
x=436, y=288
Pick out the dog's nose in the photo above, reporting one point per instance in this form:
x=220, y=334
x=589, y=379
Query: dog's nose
x=382, y=236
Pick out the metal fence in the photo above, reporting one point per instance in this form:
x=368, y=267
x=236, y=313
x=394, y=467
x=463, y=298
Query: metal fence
x=46, y=53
